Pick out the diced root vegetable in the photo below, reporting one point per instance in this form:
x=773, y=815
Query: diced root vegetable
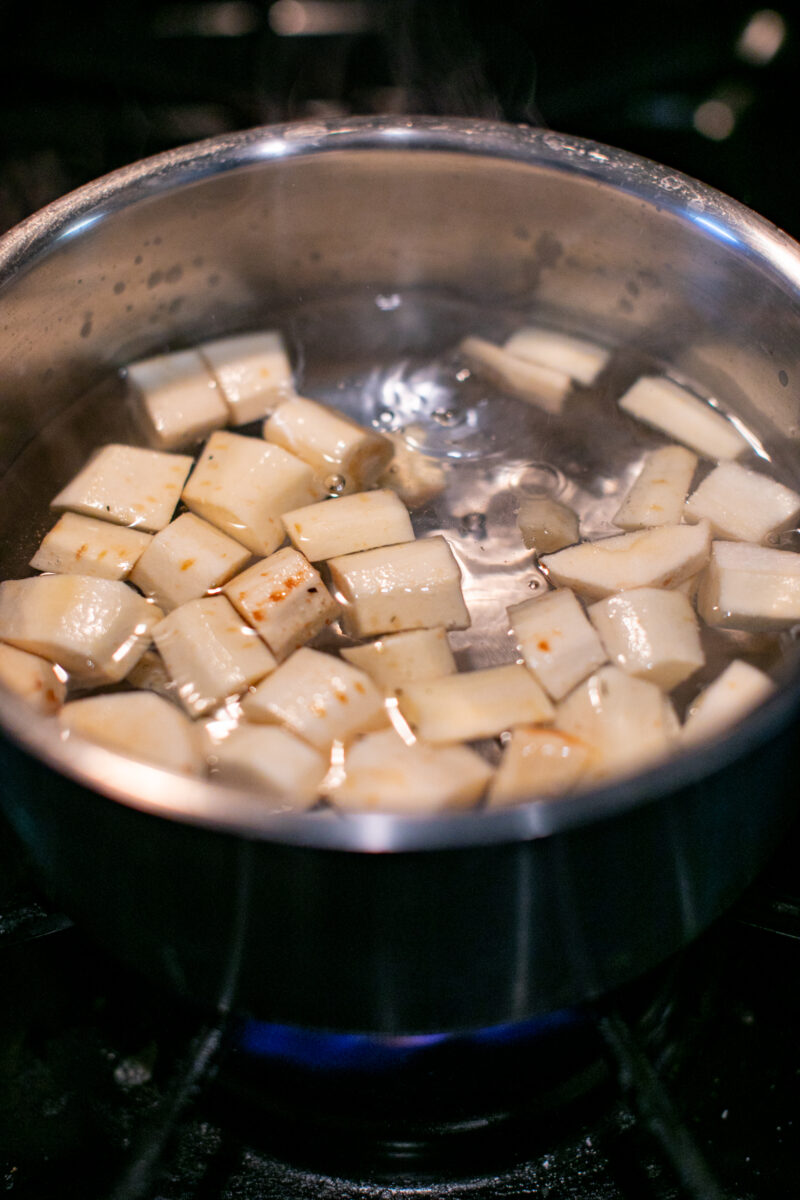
x=659, y=557
x=269, y=757
x=538, y=764
x=676, y=412
x=750, y=587
x=345, y=456
x=657, y=495
x=383, y=774
x=128, y=486
x=186, y=560
x=651, y=633
x=401, y=658
x=150, y=674
x=284, y=599
x=733, y=694
x=79, y=545
x=413, y=476
x=556, y=640
x=546, y=525
x=32, y=678
x=530, y=381
x=474, y=704
x=582, y=360
x=742, y=504
x=345, y=525
x=139, y=724
x=179, y=398
x=253, y=372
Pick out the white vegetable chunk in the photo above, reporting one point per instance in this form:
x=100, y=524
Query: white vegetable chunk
x=253, y=372
x=32, y=678
x=546, y=525
x=750, y=587
x=582, y=360
x=243, y=485
x=627, y=723
x=651, y=633
x=474, y=704
x=383, y=774
x=676, y=412
x=179, y=398
x=271, y=758
x=538, y=764
x=556, y=640
x=533, y=382
x=659, y=557
x=150, y=674
x=186, y=560
x=284, y=599
x=345, y=456
x=415, y=585
x=79, y=545
x=401, y=658
x=348, y=524
x=415, y=477
x=128, y=486
x=210, y=653
x=318, y=697
x=733, y=694
x=657, y=495
x=743, y=505
x=96, y=629
x=139, y=724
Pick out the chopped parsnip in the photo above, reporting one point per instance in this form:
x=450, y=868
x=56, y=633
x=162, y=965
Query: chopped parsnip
x=253, y=372
x=750, y=587
x=659, y=402
x=243, y=485
x=97, y=629
x=318, y=697
x=414, y=585
x=546, y=525
x=730, y=697
x=383, y=774
x=659, y=557
x=179, y=398
x=556, y=640
x=150, y=674
x=267, y=756
x=186, y=560
x=284, y=599
x=347, y=524
x=538, y=764
x=651, y=633
x=32, y=678
x=85, y=546
x=658, y=493
x=402, y=658
x=580, y=359
x=743, y=505
x=345, y=456
x=474, y=704
x=139, y=724
x=415, y=477
x=210, y=653
x=128, y=486
x=531, y=381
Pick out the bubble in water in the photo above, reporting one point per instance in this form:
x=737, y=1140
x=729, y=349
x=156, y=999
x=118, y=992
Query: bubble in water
x=537, y=584
x=385, y=418
x=474, y=523
x=444, y=416
x=539, y=479
x=463, y=374
x=388, y=303
x=335, y=485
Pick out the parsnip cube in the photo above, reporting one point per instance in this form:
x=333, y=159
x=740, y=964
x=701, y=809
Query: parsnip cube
x=186, y=560
x=210, y=653
x=284, y=599
x=546, y=525
x=32, y=678
x=538, y=764
x=533, y=382
x=663, y=404
x=318, y=697
x=651, y=633
x=474, y=704
x=750, y=587
x=383, y=774
x=139, y=724
x=269, y=757
x=178, y=397
x=743, y=505
x=345, y=456
x=658, y=493
x=345, y=525
x=415, y=585
x=556, y=640
x=733, y=694
x=96, y=629
x=627, y=723
x=413, y=476
x=85, y=546
x=150, y=674
x=128, y=486
x=253, y=372
x=403, y=658
x=659, y=557
x=243, y=485
x=580, y=359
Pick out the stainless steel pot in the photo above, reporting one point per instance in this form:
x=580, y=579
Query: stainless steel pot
x=380, y=923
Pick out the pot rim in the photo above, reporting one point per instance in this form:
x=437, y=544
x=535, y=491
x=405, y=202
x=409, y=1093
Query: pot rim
x=161, y=792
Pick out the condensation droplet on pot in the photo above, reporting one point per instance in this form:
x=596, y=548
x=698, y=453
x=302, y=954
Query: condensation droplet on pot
x=388, y=303
x=474, y=523
x=335, y=485
x=444, y=416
